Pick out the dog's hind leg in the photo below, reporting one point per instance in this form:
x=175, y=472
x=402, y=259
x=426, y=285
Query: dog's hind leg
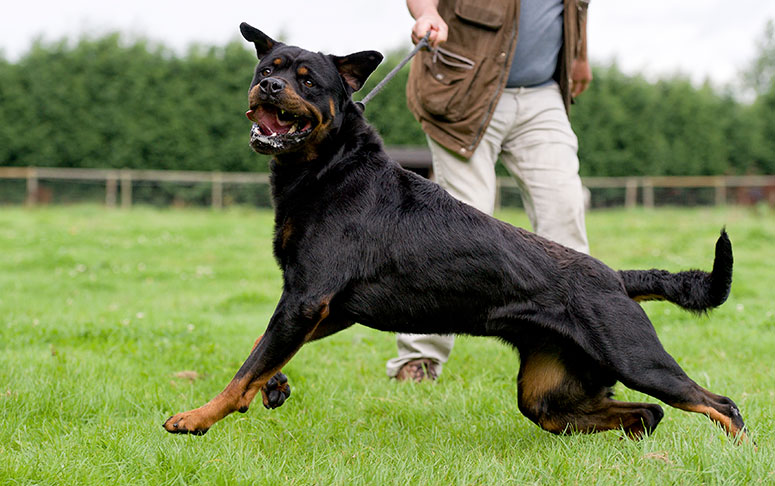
x=666, y=381
x=634, y=354
x=564, y=392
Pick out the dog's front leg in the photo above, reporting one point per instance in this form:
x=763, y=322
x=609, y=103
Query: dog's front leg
x=287, y=331
x=277, y=389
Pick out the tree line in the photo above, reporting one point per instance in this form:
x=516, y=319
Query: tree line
x=109, y=103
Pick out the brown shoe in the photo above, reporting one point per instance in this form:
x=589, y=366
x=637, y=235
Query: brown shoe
x=418, y=370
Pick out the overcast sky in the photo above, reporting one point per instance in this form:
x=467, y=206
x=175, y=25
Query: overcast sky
x=700, y=38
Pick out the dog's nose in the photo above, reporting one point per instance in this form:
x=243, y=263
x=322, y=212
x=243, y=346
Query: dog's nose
x=272, y=86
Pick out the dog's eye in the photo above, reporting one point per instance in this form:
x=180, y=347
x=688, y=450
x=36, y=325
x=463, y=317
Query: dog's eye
x=266, y=72
x=309, y=83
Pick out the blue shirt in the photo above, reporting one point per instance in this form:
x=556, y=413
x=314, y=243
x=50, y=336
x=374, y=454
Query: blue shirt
x=538, y=43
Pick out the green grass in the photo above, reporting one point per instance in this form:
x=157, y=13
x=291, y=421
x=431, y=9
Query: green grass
x=100, y=309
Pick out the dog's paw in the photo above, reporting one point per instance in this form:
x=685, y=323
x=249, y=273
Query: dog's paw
x=646, y=422
x=187, y=423
x=276, y=391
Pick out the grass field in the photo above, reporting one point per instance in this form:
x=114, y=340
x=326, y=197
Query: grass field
x=112, y=321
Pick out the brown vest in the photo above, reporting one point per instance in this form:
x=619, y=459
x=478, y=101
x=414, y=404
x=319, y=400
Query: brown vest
x=453, y=91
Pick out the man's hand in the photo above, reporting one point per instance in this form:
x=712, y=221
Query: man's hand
x=430, y=22
x=580, y=76
x=427, y=18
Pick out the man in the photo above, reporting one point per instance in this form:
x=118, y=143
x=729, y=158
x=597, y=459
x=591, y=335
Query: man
x=498, y=84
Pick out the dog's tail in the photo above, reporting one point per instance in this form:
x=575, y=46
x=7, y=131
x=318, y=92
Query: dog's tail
x=694, y=290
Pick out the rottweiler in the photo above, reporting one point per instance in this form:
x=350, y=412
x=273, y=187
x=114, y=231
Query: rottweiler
x=361, y=240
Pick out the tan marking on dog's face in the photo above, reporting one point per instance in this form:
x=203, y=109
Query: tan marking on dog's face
x=302, y=71
x=332, y=107
x=253, y=96
x=290, y=101
x=319, y=132
x=277, y=61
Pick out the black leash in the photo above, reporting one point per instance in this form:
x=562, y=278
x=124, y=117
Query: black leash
x=424, y=43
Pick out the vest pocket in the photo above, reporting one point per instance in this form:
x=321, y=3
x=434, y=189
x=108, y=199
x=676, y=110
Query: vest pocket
x=486, y=14
x=449, y=77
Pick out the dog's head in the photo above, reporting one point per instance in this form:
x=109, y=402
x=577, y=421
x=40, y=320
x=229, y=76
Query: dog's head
x=297, y=97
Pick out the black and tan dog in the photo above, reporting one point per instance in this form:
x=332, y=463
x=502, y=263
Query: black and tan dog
x=361, y=240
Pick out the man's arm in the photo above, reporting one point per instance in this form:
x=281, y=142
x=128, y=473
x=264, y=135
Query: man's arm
x=581, y=72
x=427, y=17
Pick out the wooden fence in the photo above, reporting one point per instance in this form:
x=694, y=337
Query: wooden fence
x=118, y=183
x=124, y=178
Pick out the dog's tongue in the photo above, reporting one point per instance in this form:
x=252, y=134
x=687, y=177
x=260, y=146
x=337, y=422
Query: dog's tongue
x=267, y=121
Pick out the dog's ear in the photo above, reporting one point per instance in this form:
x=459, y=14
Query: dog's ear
x=263, y=42
x=357, y=67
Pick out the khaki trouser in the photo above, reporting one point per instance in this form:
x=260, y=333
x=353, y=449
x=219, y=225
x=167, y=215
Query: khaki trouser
x=531, y=134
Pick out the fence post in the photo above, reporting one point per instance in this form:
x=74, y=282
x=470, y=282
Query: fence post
x=648, y=193
x=217, y=195
x=126, y=188
x=631, y=193
x=111, y=189
x=721, y=191
x=32, y=186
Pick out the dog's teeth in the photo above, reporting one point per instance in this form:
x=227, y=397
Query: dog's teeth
x=292, y=129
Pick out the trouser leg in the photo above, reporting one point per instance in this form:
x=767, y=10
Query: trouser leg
x=541, y=153
x=415, y=346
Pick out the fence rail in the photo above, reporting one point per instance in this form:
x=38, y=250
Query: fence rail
x=126, y=177
x=645, y=185
x=118, y=182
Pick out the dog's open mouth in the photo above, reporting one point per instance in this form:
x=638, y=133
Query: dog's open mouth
x=276, y=129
